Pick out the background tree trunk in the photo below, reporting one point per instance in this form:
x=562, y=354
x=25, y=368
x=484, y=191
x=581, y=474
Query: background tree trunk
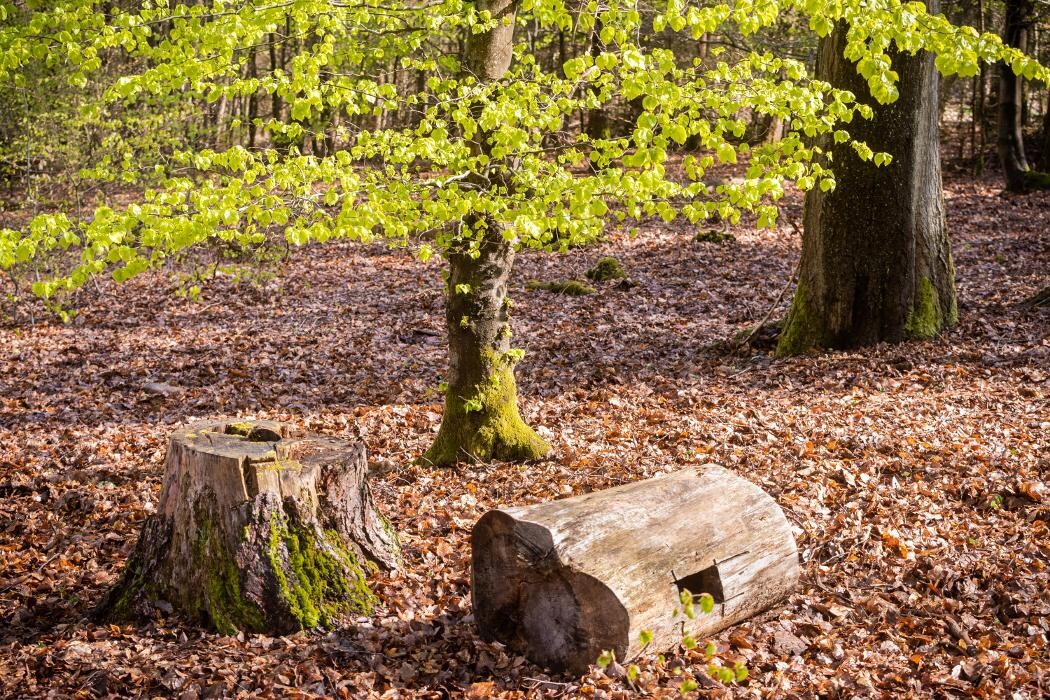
x=1010, y=131
x=1044, y=159
x=876, y=260
x=259, y=528
x=481, y=419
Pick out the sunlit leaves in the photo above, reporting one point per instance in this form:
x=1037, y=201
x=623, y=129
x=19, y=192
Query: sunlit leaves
x=398, y=184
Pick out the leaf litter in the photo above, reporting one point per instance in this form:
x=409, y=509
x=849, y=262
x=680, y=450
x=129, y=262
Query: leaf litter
x=915, y=476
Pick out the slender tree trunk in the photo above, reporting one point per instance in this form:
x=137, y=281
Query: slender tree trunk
x=1011, y=135
x=1044, y=160
x=876, y=261
x=979, y=145
x=253, y=101
x=481, y=419
x=597, y=118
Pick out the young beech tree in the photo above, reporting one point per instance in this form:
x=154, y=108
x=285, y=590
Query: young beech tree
x=876, y=260
x=488, y=168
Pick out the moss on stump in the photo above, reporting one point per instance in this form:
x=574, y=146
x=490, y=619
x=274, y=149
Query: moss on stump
x=259, y=529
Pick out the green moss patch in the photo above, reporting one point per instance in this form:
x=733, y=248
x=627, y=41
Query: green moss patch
x=573, y=288
x=605, y=270
x=317, y=577
x=223, y=602
x=926, y=318
x=486, y=424
x=713, y=235
x=800, y=332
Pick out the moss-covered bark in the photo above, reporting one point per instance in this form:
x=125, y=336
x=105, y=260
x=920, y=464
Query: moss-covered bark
x=485, y=424
x=318, y=579
x=481, y=419
x=271, y=535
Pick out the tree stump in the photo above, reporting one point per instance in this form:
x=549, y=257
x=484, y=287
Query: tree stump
x=564, y=581
x=260, y=528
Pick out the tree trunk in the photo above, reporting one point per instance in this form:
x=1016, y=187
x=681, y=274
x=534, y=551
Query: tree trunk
x=1011, y=135
x=259, y=528
x=481, y=419
x=1044, y=160
x=564, y=581
x=597, y=117
x=876, y=260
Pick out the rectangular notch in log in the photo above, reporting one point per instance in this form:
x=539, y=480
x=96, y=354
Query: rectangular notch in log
x=704, y=581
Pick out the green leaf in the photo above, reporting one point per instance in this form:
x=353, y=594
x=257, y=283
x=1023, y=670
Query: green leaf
x=726, y=152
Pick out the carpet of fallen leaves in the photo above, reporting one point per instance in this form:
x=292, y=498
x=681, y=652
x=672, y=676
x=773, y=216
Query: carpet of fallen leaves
x=915, y=476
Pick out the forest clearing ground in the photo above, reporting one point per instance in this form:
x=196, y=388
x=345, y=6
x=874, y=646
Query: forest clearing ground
x=912, y=473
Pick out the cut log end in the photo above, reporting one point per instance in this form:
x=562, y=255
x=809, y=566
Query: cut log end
x=563, y=582
x=260, y=527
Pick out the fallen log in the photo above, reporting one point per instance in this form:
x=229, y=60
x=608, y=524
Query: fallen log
x=564, y=581
x=260, y=527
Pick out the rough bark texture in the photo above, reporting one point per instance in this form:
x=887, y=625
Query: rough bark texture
x=481, y=419
x=876, y=260
x=564, y=581
x=259, y=528
x=1011, y=135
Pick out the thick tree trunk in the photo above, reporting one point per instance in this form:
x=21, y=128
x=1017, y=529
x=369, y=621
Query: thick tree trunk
x=259, y=528
x=876, y=260
x=1011, y=134
x=481, y=419
x=564, y=581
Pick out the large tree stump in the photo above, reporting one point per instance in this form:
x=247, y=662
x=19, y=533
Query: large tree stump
x=260, y=527
x=564, y=581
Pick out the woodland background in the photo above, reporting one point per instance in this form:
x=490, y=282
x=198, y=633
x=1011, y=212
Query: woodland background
x=915, y=474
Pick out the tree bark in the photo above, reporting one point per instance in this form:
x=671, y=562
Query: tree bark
x=259, y=528
x=597, y=117
x=564, y=581
x=1011, y=134
x=1044, y=159
x=481, y=419
x=876, y=259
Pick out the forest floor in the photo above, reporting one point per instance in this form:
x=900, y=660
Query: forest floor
x=916, y=476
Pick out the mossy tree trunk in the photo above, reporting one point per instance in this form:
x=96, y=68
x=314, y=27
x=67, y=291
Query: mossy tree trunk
x=260, y=529
x=876, y=259
x=481, y=419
